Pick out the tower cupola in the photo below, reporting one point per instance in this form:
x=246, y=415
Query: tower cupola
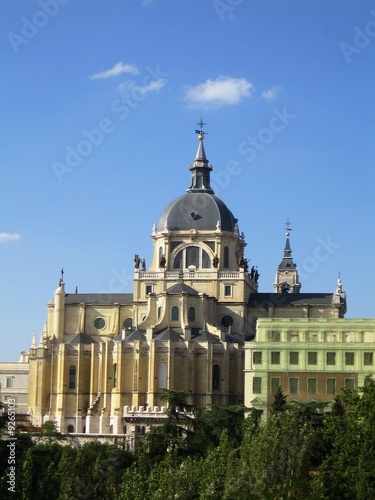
x=287, y=279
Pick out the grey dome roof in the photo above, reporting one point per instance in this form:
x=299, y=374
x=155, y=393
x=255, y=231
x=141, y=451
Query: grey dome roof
x=197, y=210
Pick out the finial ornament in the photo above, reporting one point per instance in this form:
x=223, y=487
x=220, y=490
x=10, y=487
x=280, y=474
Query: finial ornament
x=201, y=131
x=287, y=227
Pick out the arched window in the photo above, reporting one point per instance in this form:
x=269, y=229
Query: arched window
x=70, y=428
x=128, y=323
x=162, y=376
x=175, y=313
x=206, y=261
x=192, y=256
x=226, y=257
x=135, y=376
x=159, y=312
x=72, y=377
x=216, y=377
x=191, y=314
x=115, y=375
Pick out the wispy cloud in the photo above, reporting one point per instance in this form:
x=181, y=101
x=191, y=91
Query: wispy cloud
x=117, y=69
x=7, y=237
x=132, y=86
x=272, y=94
x=223, y=90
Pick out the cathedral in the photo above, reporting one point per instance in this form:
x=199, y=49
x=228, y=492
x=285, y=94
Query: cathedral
x=194, y=322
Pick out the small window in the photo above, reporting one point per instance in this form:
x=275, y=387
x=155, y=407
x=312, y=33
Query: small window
x=368, y=358
x=228, y=290
x=9, y=382
x=175, y=313
x=226, y=258
x=349, y=384
x=293, y=358
x=162, y=376
x=368, y=337
x=331, y=358
x=275, y=358
x=331, y=386
x=274, y=336
x=312, y=386
x=191, y=313
x=99, y=323
x=148, y=289
x=275, y=384
x=257, y=357
x=312, y=358
x=294, y=336
x=312, y=336
x=293, y=385
x=350, y=336
x=257, y=385
x=349, y=358
x=70, y=428
x=72, y=377
x=128, y=323
x=216, y=377
x=227, y=321
x=114, y=374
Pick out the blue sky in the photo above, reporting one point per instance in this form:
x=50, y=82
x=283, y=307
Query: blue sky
x=99, y=104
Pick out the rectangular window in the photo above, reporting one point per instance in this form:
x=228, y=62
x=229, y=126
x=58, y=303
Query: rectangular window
x=368, y=358
x=274, y=336
x=331, y=358
x=349, y=358
x=148, y=289
x=293, y=385
x=257, y=385
x=293, y=358
x=9, y=382
x=312, y=358
x=294, y=336
x=312, y=386
x=275, y=358
x=349, y=384
x=275, y=384
x=257, y=357
x=331, y=386
x=312, y=336
x=228, y=290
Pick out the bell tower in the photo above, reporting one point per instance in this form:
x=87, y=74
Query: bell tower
x=287, y=280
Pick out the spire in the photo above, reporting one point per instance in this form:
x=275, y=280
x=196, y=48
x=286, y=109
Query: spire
x=286, y=275
x=200, y=169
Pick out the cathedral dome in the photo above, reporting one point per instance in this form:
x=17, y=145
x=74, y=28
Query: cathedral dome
x=202, y=211
x=199, y=209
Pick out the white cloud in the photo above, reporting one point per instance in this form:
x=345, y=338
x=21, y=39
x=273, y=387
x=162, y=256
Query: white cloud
x=117, y=69
x=272, y=94
x=152, y=86
x=223, y=90
x=6, y=237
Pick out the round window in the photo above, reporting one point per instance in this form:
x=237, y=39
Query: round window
x=99, y=323
x=227, y=321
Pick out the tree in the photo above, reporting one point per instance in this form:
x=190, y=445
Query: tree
x=279, y=402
